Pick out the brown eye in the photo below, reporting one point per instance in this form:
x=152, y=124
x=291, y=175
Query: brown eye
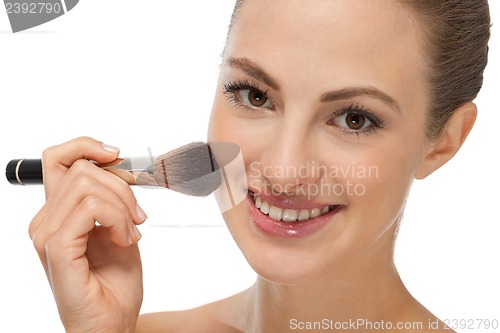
x=255, y=98
x=355, y=121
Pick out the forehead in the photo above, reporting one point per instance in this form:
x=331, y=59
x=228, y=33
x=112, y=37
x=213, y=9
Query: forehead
x=313, y=20
x=374, y=42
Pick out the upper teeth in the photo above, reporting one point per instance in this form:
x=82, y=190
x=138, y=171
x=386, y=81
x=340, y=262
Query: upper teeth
x=288, y=215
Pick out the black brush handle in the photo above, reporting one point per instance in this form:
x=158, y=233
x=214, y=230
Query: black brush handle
x=29, y=171
x=24, y=172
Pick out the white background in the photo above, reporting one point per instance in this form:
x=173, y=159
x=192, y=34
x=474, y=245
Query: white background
x=143, y=74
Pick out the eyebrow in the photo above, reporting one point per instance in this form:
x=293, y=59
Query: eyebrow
x=255, y=71
x=348, y=93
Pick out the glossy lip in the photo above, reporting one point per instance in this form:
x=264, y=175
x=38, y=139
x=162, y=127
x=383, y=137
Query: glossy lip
x=282, y=229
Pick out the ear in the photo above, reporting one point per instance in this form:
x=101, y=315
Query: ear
x=454, y=134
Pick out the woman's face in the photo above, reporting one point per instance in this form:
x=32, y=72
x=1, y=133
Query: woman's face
x=327, y=100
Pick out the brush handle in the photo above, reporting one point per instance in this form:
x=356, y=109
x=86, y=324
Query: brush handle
x=135, y=171
x=24, y=172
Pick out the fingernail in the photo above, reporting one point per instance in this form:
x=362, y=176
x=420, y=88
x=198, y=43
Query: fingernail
x=142, y=216
x=137, y=233
x=109, y=148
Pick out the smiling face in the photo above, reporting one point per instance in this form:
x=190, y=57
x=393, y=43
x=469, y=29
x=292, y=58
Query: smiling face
x=327, y=101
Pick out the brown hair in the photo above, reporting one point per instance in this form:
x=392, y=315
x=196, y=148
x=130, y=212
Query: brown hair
x=457, y=34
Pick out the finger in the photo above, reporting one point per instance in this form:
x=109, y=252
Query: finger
x=66, y=251
x=92, y=209
x=58, y=159
x=69, y=240
x=84, y=179
x=72, y=190
x=57, y=212
x=83, y=169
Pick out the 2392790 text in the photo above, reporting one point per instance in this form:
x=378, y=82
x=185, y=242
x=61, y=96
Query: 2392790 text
x=32, y=8
x=471, y=324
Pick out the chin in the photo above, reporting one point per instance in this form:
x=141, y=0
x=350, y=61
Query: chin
x=281, y=268
x=284, y=260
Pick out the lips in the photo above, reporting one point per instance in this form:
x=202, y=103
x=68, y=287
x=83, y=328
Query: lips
x=287, y=217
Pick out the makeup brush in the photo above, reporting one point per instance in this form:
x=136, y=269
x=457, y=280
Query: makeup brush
x=192, y=169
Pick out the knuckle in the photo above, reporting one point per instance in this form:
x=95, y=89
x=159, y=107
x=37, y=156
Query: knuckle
x=39, y=242
x=84, y=141
x=81, y=179
x=32, y=229
x=84, y=138
x=80, y=166
x=36, y=224
x=83, y=183
x=91, y=203
x=48, y=153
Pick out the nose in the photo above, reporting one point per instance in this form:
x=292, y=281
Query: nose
x=290, y=161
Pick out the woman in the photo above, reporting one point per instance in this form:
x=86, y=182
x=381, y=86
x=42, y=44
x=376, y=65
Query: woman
x=337, y=106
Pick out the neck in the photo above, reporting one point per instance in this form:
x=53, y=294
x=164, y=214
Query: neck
x=367, y=289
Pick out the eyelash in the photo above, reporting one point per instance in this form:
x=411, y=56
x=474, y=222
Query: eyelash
x=230, y=90
x=377, y=124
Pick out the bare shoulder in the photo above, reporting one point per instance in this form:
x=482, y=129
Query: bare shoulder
x=194, y=320
x=206, y=319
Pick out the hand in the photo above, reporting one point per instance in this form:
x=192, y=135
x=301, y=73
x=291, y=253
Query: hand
x=94, y=269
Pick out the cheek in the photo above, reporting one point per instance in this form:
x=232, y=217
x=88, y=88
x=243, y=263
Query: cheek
x=387, y=185
x=251, y=136
x=217, y=122
x=382, y=184
x=223, y=126
x=388, y=169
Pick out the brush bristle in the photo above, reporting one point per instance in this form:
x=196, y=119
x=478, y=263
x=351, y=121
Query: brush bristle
x=190, y=169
